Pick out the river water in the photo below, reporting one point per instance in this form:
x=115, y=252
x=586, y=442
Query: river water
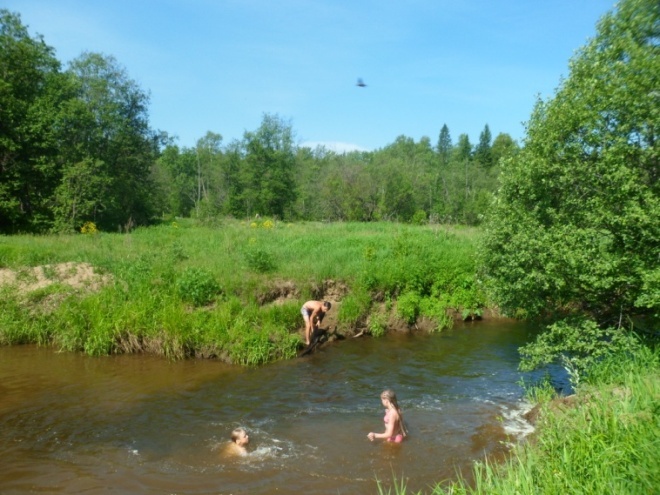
x=138, y=424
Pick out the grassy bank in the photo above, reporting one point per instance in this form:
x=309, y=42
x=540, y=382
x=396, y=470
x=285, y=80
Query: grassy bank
x=604, y=439
x=232, y=290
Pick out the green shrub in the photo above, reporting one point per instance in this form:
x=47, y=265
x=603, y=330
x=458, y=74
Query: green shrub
x=285, y=315
x=578, y=343
x=377, y=325
x=419, y=218
x=6, y=255
x=260, y=260
x=436, y=310
x=353, y=309
x=249, y=346
x=178, y=252
x=408, y=307
x=197, y=286
x=15, y=327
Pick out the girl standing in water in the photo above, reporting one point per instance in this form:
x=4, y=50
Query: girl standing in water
x=395, y=430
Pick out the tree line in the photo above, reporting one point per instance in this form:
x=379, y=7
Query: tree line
x=265, y=173
x=76, y=146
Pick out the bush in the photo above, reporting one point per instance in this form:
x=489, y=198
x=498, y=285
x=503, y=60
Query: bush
x=408, y=306
x=419, y=218
x=353, y=309
x=574, y=227
x=197, y=287
x=579, y=343
x=259, y=260
x=436, y=309
x=377, y=325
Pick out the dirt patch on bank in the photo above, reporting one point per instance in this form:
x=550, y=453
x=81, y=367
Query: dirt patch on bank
x=78, y=276
x=285, y=291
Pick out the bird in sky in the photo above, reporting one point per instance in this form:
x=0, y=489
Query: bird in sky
x=361, y=83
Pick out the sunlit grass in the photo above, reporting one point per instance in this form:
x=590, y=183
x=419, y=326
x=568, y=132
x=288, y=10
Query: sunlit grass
x=182, y=289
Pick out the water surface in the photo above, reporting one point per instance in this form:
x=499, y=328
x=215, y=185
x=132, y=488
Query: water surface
x=138, y=424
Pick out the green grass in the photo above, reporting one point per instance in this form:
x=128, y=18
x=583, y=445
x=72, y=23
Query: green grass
x=603, y=440
x=184, y=289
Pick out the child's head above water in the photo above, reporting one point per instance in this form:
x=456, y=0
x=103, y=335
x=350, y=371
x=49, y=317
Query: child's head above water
x=240, y=437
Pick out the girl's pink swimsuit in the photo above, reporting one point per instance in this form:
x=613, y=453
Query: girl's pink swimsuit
x=398, y=438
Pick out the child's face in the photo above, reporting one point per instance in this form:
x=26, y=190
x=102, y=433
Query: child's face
x=243, y=439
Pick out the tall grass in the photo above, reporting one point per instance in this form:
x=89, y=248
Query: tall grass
x=184, y=289
x=603, y=440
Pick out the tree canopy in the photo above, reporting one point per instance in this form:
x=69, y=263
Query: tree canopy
x=575, y=228
x=32, y=90
x=75, y=146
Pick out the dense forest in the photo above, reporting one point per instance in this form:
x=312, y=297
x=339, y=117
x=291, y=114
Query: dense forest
x=76, y=146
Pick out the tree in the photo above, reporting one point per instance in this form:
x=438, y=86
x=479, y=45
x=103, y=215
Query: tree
x=576, y=225
x=503, y=147
x=32, y=90
x=106, y=125
x=268, y=174
x=483, y=152
x=441, y=181
x=313, y=167
x=463, y=157
x=444, y=146
x=176, y=170
x=404, y=171
x=210, y=192
x=351, y=192
x=235, y=203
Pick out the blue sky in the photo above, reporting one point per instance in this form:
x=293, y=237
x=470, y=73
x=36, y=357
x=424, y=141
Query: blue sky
x=220, y=65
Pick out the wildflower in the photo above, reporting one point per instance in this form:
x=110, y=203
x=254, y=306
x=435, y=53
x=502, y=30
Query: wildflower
x=89, y=228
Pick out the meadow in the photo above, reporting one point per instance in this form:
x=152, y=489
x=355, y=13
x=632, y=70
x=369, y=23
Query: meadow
x=232, y=290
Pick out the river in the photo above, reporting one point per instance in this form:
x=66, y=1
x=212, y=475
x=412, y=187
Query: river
x=141, y=424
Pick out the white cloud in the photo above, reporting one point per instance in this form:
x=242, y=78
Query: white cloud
x=336, y=146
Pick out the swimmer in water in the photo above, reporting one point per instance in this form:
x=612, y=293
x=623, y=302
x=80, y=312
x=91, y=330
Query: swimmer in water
x=395, y=430
x=239, y=441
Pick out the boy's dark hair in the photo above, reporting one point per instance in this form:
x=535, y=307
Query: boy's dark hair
x=327, y=305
